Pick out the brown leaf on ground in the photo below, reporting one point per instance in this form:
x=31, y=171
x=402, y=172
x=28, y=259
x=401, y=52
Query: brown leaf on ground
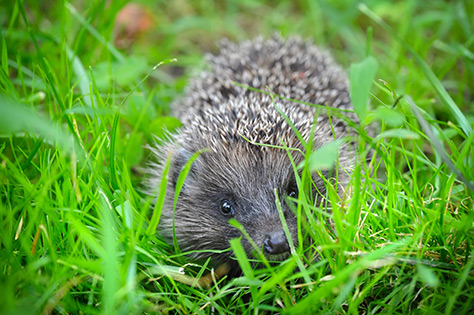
x=131, y=21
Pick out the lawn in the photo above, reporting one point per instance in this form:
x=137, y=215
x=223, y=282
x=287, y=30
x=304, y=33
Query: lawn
x=85, y=86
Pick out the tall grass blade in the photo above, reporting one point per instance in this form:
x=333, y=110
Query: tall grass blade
x=5, y=57
x=16, y=117
x=361, y=76
x=155, y=219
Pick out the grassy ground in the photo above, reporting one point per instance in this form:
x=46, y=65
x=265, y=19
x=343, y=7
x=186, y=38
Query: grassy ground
x=75, y=234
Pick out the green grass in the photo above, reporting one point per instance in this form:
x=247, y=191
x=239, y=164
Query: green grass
x=76, y=114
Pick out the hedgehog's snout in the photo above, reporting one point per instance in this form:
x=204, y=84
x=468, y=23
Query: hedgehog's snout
x=275, y=243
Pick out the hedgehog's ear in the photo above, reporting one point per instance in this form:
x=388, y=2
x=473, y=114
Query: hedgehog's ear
x=181, y=158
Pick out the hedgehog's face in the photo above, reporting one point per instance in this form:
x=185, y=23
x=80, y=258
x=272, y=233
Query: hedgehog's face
x=232, y=183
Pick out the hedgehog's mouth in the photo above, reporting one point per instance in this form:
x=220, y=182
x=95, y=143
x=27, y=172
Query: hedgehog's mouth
x=271, y=258
x=278, y=257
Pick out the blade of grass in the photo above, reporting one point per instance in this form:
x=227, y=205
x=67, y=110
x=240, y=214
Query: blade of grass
x=110, y=256
x=298, y=261
x=155, y=219
x=4, y=57
x=179, y=185
x=15, y=117
x=112, y=157
x=361, y=76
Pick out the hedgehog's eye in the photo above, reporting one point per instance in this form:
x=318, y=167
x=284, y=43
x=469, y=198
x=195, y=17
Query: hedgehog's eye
x=293, y=193
x=226, y=208
x=292, y=190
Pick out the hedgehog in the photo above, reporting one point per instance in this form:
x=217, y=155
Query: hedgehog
x=234, y=129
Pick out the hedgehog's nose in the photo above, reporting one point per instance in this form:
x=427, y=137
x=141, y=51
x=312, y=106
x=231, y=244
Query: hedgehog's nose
x=275, y=243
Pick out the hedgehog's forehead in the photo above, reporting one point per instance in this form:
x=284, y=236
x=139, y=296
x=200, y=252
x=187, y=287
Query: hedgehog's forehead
x=245, y=165
x=239, y=163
